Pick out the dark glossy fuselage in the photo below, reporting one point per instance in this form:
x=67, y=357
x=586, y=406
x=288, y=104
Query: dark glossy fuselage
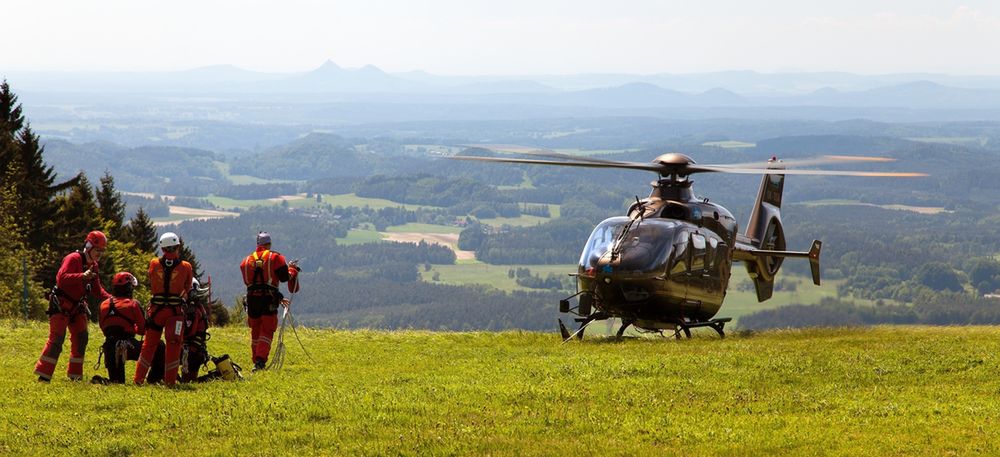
x=671, y=265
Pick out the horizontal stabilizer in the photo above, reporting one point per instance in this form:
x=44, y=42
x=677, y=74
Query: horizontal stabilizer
x=814, y=260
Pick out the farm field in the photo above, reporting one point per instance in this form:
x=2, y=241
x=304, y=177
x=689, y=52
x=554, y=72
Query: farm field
x=360, y=235
x=915, y=209
x=860, y=391
x=495, y=276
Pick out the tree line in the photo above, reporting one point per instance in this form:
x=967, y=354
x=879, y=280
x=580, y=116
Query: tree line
x=927, y=309
x=42, y=220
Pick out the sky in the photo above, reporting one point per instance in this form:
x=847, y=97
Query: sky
x=508, y=37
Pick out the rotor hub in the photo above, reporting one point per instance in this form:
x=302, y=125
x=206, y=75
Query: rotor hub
x=674, y=163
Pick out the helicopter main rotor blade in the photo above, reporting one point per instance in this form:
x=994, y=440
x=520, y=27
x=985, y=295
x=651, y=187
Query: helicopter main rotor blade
x=540, y=152
x=627, y=165
x=823, y=160
x=782, y=171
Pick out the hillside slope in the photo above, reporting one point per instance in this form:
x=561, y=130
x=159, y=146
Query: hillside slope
x=886, y=390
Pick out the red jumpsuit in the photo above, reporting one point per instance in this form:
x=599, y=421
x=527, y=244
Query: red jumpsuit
x=71, y=312
x=121, y=320
x=262, y=271
x=169, y=280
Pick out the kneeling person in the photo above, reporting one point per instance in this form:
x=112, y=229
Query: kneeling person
x=121, y=319
x=196, y=323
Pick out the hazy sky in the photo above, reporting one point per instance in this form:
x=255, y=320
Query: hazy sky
x=505, y=36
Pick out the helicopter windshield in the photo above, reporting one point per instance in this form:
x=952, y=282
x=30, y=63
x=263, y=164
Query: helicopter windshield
x=646, y=246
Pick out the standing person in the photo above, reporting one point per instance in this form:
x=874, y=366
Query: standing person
x=170, y=280
x=121, y=319
x=262, y=271
x=78, y=277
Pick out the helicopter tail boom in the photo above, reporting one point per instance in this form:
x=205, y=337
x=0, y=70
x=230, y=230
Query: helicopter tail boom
x=812, y=254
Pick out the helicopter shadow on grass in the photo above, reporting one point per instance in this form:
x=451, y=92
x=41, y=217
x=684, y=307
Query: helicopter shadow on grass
x=656, y=337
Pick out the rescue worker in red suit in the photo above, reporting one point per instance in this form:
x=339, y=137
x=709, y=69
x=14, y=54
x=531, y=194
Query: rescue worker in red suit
x=77, y=277
x=121, y=319
x=170, y=281
x=195, y=333
x=262, y=271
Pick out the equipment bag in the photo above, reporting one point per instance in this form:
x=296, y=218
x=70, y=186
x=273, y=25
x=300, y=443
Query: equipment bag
x=225, y=369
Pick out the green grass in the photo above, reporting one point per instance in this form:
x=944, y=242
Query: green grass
x=879, y=391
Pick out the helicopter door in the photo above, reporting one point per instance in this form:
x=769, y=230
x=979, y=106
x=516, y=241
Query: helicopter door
x=680, y=270
x=698, y=277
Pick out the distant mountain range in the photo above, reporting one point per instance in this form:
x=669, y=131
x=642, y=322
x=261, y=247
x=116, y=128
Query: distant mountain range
x=334, y=84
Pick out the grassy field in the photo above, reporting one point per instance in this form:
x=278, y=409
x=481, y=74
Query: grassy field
x=524, y=220
x=375, y=203
x=490, y=275
x=878, y=391
x=896, y=207
x=361, y=235
x=423, y=228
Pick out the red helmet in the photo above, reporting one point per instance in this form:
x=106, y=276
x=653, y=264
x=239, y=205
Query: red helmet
x=96, y=239
x=124, y=278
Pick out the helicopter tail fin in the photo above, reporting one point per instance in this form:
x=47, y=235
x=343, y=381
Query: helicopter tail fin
x=765, y=232
x=768, y=204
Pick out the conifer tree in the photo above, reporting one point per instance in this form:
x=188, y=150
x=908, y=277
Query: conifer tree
x=187, y=254
x=112, y=207
x=17, y=256
x=141, y=231
x=11, y=119
x=77, y=214
x=36, y=190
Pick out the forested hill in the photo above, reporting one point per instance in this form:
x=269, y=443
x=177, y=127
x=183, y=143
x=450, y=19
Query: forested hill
x=330, y=195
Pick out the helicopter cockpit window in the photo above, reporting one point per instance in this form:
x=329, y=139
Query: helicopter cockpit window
x=645, y=247
x=601, y=239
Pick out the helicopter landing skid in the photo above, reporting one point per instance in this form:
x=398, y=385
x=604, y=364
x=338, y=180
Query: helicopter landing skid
x=716, y=324
x=584, y=322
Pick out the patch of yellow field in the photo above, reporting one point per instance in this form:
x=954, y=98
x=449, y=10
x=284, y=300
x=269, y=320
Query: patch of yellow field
x=449, y=240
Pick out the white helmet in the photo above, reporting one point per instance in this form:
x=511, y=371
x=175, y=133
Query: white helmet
x=169, y=239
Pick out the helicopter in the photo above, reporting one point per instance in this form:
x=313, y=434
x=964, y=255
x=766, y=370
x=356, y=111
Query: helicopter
x=665, y=265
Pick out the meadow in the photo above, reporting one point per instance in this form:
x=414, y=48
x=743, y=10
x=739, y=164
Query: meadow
x=859, y=391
